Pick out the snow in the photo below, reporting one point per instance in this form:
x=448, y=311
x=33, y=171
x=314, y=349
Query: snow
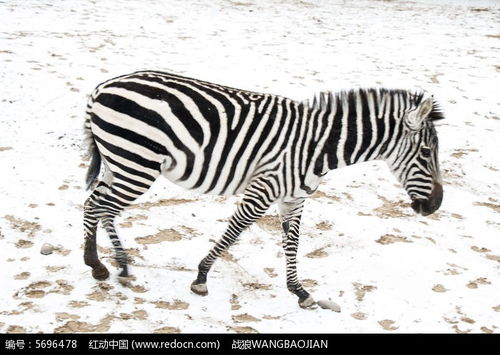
x=361, y=245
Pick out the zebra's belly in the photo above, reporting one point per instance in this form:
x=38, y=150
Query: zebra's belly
x=203, y=176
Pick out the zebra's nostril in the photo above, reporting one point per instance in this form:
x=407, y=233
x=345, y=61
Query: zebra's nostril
x=437, y=196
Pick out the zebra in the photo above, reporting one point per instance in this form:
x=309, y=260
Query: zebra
x=214, y=139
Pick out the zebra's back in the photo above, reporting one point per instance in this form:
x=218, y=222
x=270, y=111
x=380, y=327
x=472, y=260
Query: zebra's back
x=201, y=136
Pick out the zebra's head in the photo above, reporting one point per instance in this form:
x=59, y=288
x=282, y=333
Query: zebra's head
x=414, y=157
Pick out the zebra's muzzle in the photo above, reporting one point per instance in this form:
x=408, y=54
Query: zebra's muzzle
x=428, y=206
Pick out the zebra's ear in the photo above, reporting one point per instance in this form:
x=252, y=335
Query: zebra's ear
x=416, y=118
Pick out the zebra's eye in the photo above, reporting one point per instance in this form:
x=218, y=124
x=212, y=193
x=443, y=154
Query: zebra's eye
x=426, y=152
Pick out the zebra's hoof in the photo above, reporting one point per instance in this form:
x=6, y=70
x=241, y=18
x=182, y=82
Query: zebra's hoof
x=100, y=272
x=199, y=289
x=308, y=303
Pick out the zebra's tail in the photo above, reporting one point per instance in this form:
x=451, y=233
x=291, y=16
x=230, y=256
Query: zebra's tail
x=93, y=151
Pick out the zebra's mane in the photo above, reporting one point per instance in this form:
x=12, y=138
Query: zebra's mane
x=324, y=100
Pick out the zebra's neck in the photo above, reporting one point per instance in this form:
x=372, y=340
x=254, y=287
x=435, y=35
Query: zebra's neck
x=358, y=126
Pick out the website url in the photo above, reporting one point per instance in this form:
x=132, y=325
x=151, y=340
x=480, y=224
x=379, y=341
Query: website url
x=175, y=344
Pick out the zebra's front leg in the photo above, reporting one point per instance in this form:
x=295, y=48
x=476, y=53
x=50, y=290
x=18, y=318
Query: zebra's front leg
x=291, y=212
x=257, y=199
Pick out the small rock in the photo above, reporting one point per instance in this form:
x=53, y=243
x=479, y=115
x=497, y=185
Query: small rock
x=329, y=305
x=47, y=249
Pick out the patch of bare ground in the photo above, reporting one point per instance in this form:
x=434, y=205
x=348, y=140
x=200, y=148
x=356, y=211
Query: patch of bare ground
x=140, y=314
x=459, y=153
x=33, y=290
x=361, y=290
x=257, y=286
x=434, y=78
x=62, y=316
x=450, y=320
x=23, y=225
x=12, y=329
x=359, y=316
x=132, y=254
x=457, y=266
x=78, y=304
x=74, y=326
x=235, y=303
x=24, y=244
x=101, y=292
x=244, y=318
x=189, y=232
x=179, y=268
x=480, y=281
x=468, y=320
x=54, y=268
x=388, y=324
x=269, y=222
x=61, y=250
x=129, y=220
x=22, y=276
x=240, y=3
x=428, y=238
x=175, y=305
x=439, y=288
x=270, y=272
x=103, y=250
x=309, y=283
x=494, y=206
x=139, y=300
x=243, y=330
x=227, y=256
x=318, y=253
x=486, y=330
x=391, y=238
x=20, y=309
x=63, y=288
x=390, y=209
x=480, y=249
x=136, y=288
x=167, y=330
x=483, y=250
x=160, y=203
x=3, y=149
x=453, y=175
x=165, y=235
x=321, y=194
x=460, y=331
x=451, y=272
x=324, y=226
x=493, y=257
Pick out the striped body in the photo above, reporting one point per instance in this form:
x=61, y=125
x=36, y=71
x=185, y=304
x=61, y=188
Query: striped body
x=194, y=132
x=219, y=140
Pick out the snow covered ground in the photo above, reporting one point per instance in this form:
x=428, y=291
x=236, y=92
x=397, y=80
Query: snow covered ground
x=362, y=246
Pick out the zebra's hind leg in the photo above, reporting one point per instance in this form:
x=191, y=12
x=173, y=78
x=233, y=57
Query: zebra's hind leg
x=90, y=221
x=291, y=212
x=257, y=198
x=105, y=204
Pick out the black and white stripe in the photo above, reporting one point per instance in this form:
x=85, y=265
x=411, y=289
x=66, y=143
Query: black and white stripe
x=219, y=140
